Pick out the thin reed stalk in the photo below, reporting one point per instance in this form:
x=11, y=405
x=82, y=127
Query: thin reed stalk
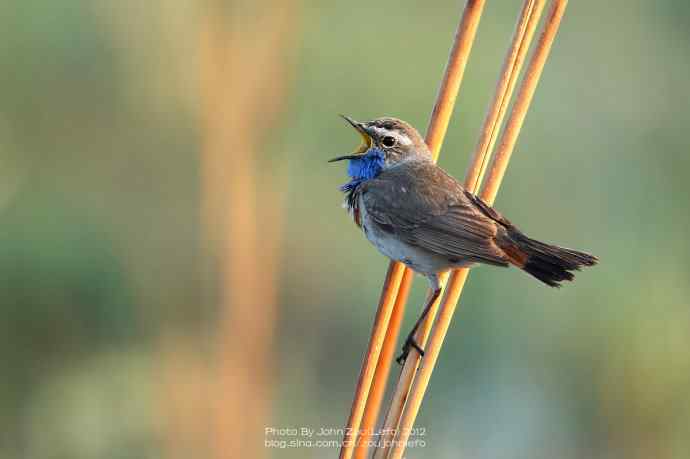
x=520, y=44
x=236, y=107
x=523, y=100
x=366, y=375
x=438, y=124
x=524, y=31
x=458, y=277
x=378, y=387
x=405, y=379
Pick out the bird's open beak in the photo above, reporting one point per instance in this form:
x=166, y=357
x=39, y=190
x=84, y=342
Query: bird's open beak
x=363, y=147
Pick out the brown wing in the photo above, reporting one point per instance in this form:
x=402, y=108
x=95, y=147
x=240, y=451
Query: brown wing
x=427, y=208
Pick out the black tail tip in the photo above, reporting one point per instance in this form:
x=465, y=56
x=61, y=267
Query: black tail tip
x=550, y=264
x=553, y=267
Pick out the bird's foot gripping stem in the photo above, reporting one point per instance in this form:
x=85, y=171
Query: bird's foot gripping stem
x=410, y=343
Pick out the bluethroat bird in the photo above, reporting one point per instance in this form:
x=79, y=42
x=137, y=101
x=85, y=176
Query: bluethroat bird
x=417, y=214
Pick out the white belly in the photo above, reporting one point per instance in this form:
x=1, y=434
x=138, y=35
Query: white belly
x=419, y=260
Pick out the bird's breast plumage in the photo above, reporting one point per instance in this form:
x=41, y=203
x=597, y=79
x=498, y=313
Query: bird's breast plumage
x=385, y=239
x=415, y=213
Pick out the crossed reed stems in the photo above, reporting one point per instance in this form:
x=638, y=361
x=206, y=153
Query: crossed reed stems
x=415, y=374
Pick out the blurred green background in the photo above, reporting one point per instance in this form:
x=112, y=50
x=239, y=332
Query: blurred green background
x=111, y=301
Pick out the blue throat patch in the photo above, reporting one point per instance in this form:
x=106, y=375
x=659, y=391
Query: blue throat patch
x=366, y=167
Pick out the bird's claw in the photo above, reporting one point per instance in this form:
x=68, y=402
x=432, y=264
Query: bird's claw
x=410, y=343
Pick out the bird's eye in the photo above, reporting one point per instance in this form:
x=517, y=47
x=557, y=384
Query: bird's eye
x=388, y=141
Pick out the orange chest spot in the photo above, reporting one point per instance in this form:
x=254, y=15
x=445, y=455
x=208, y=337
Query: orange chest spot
x=356, y=216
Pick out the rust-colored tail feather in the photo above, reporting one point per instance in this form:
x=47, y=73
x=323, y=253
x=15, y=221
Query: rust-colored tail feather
x=548, y=263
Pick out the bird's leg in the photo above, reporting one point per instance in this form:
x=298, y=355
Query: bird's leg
x=410, y=342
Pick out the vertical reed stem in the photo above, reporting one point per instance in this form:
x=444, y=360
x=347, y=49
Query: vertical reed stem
x=522, y=38
x=524, y=30
x=378, y=387
x=524, y=98
x=237, y=107
x=458, y=277
x=438, y=125
x=366, y=375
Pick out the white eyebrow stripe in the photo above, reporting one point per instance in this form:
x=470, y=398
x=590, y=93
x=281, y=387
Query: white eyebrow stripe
x=402, y=138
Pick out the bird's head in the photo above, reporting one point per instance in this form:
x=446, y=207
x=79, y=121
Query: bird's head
x=385, y=143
